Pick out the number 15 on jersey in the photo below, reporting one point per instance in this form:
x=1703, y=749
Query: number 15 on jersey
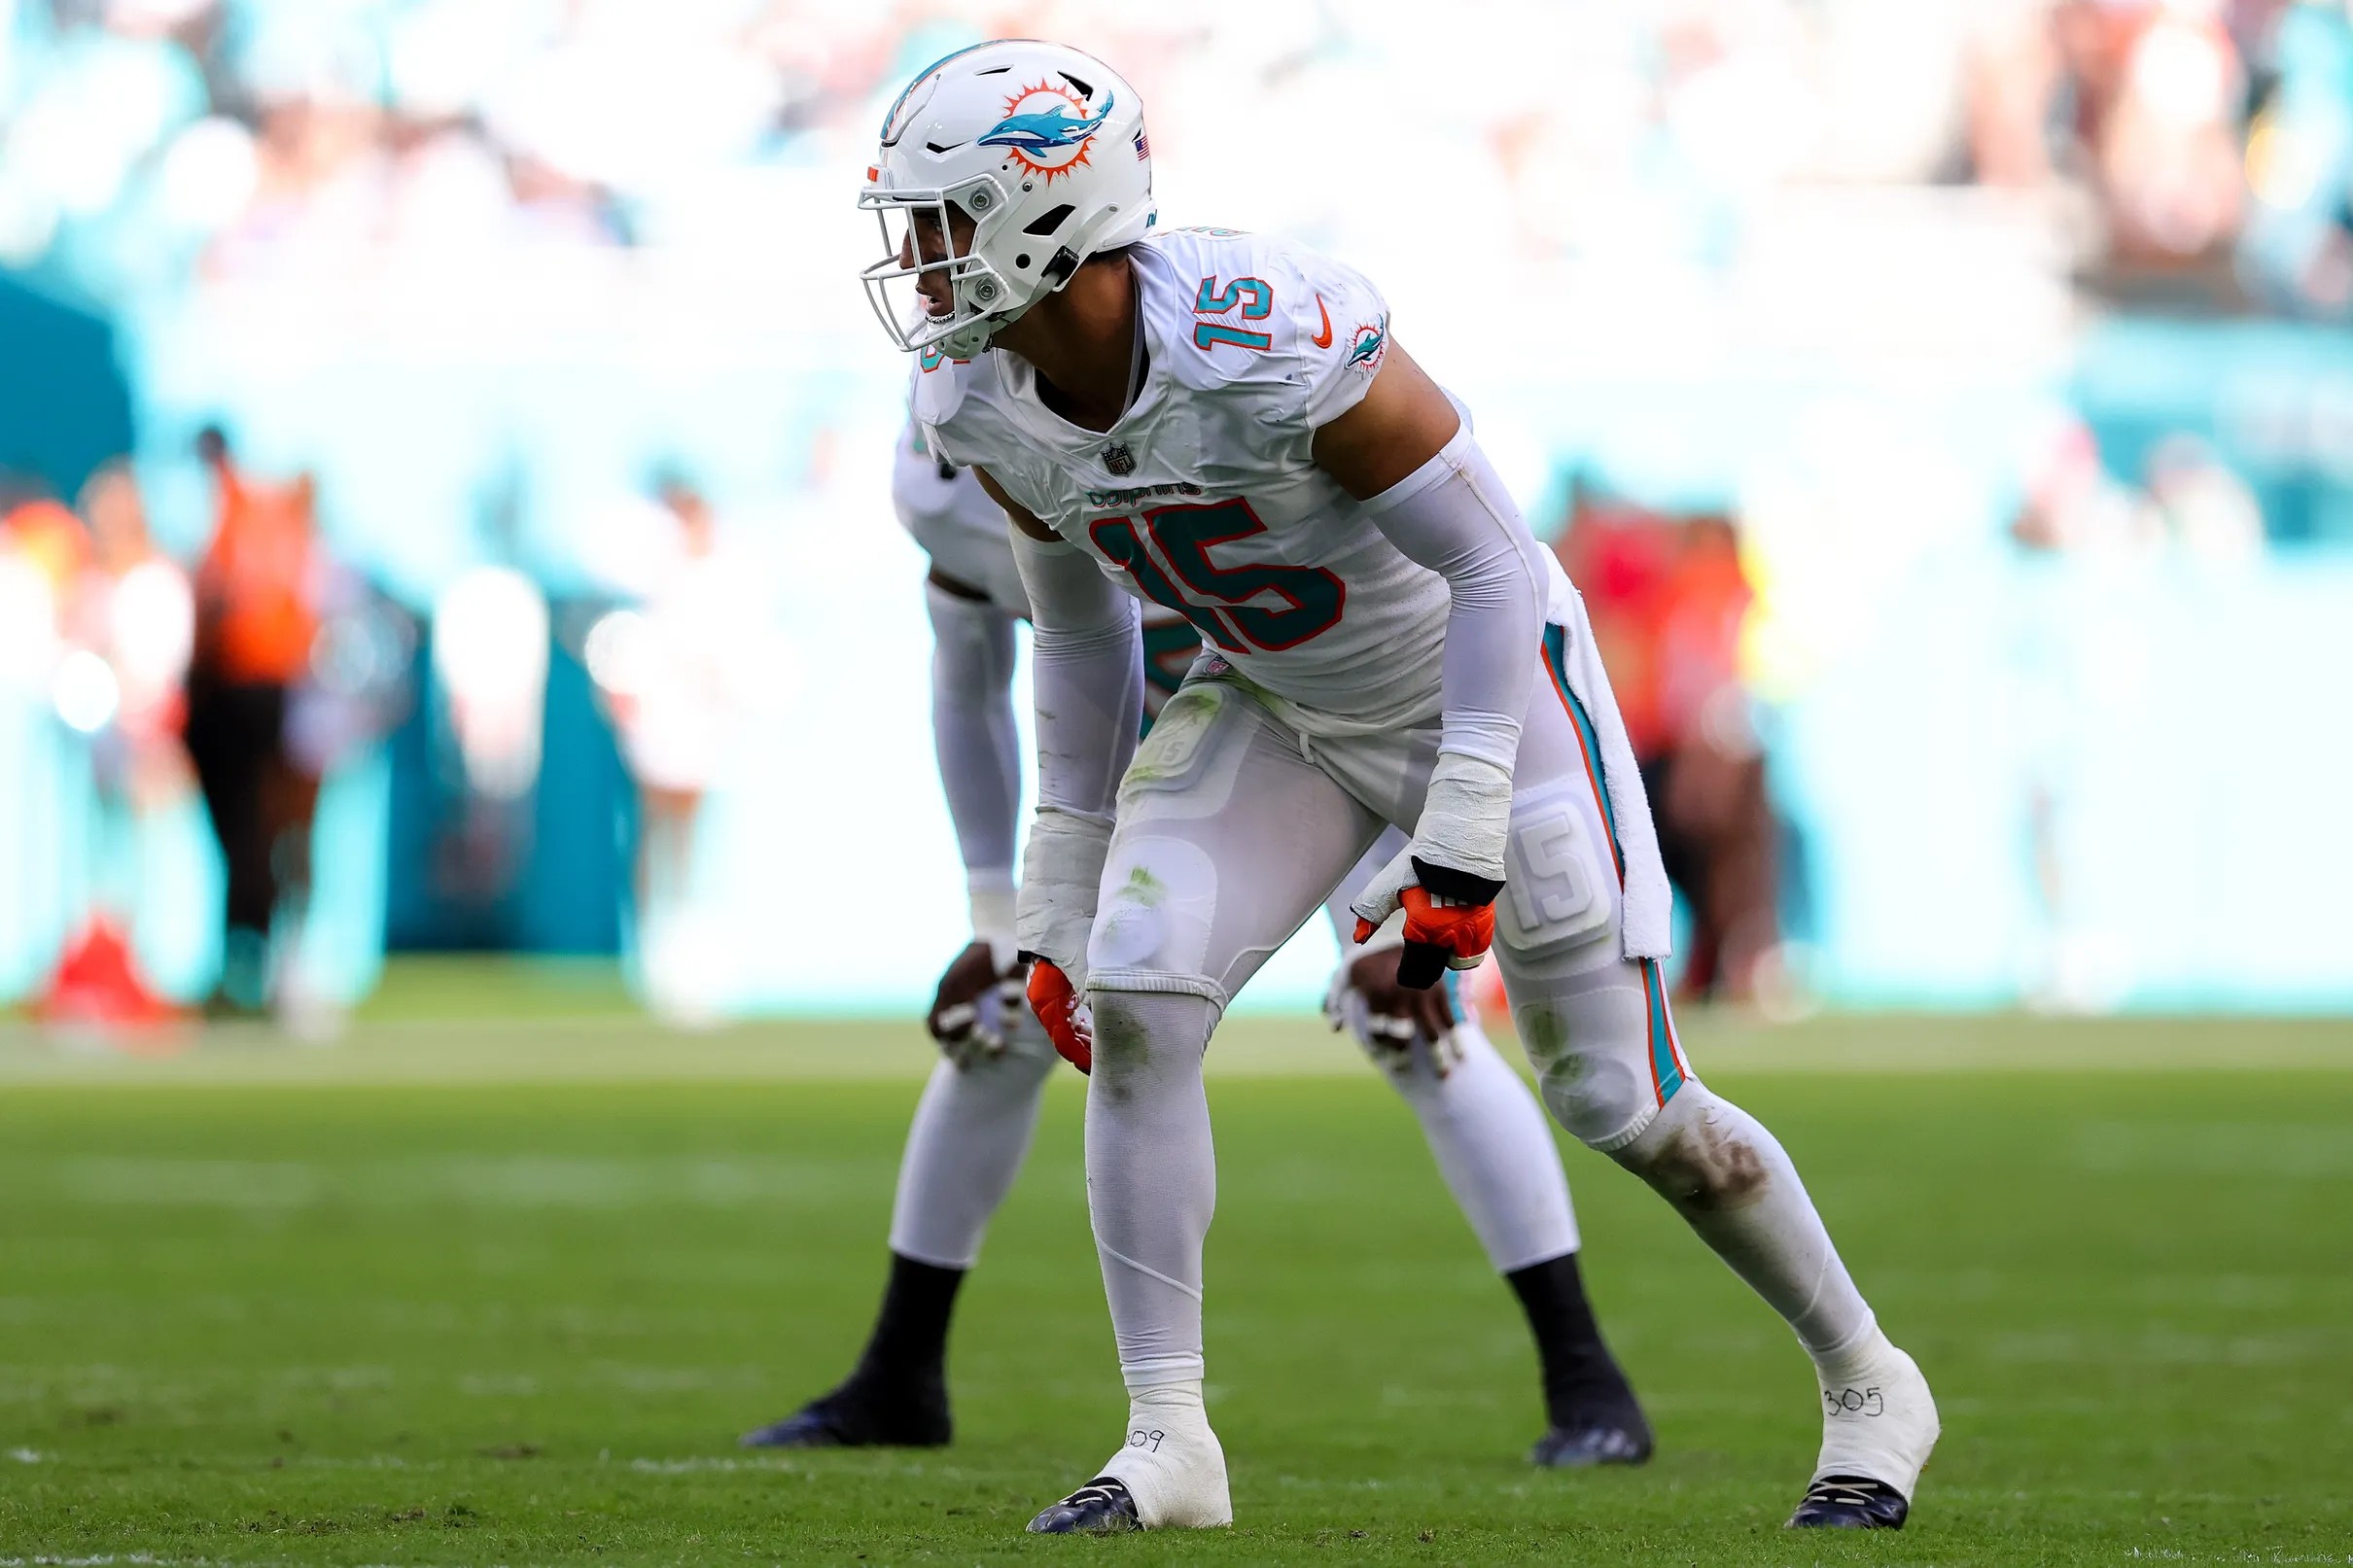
x=1240, y=607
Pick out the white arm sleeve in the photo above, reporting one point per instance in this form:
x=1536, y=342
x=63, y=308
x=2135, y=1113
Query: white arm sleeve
x=1087, y=671
x=1452, y=515
x=978, y=747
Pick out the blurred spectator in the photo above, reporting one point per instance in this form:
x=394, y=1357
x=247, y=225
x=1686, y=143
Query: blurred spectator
x=257, y=621
x=2072, y=506
x=1669, y=600
x=44, y=549
x=129, y=625
x=679, y=675
x=2193, y=504
x=490, y=653
x=135, y=609
x=2206, y=509
x=2166, y=83
x=2297, y=251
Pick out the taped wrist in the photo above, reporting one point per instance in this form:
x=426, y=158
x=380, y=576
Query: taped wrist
x=991, y=896
x=1061, y=878
x=1466, y=820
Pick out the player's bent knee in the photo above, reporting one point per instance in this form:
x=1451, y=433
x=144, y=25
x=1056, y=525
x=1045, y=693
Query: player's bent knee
x=1585, y=1038
x=1135, y=1029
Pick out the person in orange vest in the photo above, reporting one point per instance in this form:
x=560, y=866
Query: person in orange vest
x=257, y=619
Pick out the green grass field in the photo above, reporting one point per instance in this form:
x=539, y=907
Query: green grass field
x=504, y=1291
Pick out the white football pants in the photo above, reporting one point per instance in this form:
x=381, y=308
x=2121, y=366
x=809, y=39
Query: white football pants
x=1233, y=825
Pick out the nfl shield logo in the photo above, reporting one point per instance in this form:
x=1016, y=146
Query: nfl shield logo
x=1119, y=460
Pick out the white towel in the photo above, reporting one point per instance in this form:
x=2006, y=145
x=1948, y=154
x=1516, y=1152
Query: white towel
x=1647, y=930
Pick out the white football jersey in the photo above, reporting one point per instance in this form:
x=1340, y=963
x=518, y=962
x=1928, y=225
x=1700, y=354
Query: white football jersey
x=1204, y=496
x=955, y=522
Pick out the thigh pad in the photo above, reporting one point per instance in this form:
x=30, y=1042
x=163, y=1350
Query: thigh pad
x=1557, y=893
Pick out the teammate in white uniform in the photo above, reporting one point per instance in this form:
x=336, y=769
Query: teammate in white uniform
x=1223, y=424
x=973, y=1123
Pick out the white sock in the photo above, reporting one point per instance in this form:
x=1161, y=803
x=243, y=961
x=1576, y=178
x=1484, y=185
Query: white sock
x=1494, y=1147
x=970, y=1134
x=1879, y=1418
x=1151, y=1176
x=1172, y=1463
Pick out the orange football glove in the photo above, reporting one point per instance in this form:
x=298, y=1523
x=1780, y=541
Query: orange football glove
x=1448, y=927
x=1063, y=1012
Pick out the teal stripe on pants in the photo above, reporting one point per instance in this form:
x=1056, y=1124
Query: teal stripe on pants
x=1556, y=659
x=1663, y=1066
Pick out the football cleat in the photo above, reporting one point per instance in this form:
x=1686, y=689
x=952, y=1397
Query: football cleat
x=1850, y=1503
x=1879, y=1427
x=856, y=1417
x=1102, y=1507
x=1599, y=1440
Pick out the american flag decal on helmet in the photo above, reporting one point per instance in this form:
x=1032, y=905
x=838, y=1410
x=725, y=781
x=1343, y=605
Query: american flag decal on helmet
x=1143, y=145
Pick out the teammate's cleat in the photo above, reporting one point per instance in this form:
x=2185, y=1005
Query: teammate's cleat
x=1102, y=1507
x=1850, y=1503
x=853, y=1417
x=1596, y=1440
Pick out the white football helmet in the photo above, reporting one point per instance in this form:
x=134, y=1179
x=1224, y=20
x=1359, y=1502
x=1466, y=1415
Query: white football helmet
x=1041, y=146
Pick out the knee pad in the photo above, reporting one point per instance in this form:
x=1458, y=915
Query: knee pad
x=1585, y=1037
x=1152, y=928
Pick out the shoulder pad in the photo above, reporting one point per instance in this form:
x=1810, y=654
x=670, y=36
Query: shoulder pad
x=1257, y=311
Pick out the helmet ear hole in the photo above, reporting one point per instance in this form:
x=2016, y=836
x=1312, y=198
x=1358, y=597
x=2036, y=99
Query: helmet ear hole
x=1022, y=261
x=1052, y=218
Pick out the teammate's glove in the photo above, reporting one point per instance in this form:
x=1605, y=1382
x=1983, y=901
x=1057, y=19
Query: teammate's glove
x=1061, y=1007
x=974, y=1008
x=1060, y=876
x=1447, y=879
x=1387, y=1019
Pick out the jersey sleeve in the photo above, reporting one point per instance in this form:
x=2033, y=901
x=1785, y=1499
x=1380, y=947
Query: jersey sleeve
x=1339, y=334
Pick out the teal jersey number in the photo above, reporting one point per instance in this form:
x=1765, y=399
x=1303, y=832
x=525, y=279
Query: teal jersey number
x=1252, y=296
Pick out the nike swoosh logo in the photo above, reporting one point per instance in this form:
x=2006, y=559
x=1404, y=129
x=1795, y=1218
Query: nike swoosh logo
x=1323, y=338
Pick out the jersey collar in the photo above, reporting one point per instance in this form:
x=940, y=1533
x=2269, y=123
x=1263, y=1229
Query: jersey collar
x=1036, y=419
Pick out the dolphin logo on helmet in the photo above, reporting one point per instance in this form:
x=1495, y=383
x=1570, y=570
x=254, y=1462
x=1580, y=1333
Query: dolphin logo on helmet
x=1046, y=132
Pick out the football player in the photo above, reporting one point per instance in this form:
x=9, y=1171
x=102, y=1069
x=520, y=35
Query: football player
x=1225, y=425
x=974, y=1123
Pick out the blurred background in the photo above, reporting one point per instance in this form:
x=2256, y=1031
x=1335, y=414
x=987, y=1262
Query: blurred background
x=443, y=474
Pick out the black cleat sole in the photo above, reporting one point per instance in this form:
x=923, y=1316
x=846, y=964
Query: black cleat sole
x=1102, y=1507
x=1585, y=1446
x=850, y=1419
x=1850, y=1503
